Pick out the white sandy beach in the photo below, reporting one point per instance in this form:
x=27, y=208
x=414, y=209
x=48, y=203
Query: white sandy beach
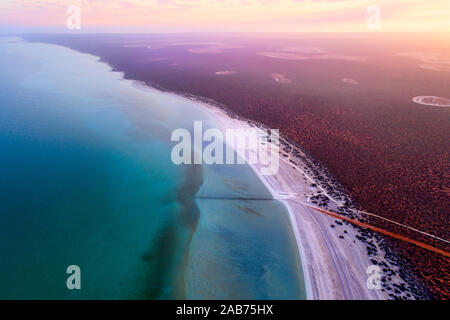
x=334, y=268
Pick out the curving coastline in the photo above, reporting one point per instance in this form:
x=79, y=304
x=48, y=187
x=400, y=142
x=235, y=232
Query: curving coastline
x=159, y=235
x=329, y=268
x=334, y=265
x=334, y=268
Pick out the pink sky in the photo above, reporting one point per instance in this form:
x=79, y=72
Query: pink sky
x=226, y=15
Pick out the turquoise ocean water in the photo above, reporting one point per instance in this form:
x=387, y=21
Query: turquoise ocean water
x=86, y=179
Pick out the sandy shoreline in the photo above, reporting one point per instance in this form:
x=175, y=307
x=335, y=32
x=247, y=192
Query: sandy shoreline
x=333, y=257
x=334, y=268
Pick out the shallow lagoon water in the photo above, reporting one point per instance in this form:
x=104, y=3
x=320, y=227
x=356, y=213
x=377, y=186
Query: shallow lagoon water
x=86, y=179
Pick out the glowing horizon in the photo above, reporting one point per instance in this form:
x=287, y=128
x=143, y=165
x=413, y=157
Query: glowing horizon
x=226, y=15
